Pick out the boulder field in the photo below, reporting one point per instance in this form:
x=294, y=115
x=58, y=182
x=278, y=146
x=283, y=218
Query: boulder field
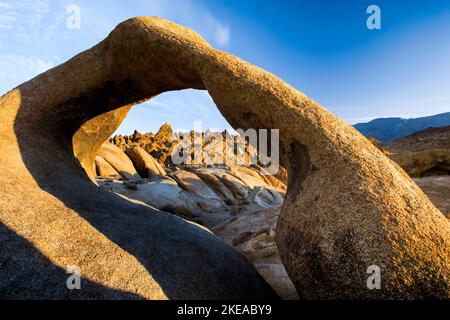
x=240, y=204
x=246, y=220
x=347, y=207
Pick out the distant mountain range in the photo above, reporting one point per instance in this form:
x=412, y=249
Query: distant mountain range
x=390, y=129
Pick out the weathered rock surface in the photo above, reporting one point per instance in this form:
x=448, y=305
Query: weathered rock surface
x=105, y=170
x=218, y=186
x=119, y=161
x=235, y=185
x=165, y=194
x=437, y=188
x=378, y=144
x=144, y=163
x=243, y=223
x=123, y=249
x=192, y=183
x=216, y=147
x=348, y=206
x=159, y=145
x=424, y=153
x=199, y=195
x=253, y=233
x=424, y=163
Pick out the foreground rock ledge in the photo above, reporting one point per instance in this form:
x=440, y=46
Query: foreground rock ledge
x=348, y=206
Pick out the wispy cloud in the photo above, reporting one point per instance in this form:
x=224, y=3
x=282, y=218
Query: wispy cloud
x=193, y=15
x=38, y=27
x=222, y=34
x=24, y=17
x=16, y=68
x=4, y=5
x=34, y=37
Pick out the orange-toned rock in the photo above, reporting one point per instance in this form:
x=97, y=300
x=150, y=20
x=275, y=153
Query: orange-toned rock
x=105, y=170
x=192, y=183
x=348, y=206
x=123, y=249
x=144, y=163
x=119, y=161
x=215, y=184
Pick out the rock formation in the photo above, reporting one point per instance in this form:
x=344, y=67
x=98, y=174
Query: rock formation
x=145, y=164
x=424, y=153
x=253, y=233
x=199, y=194
x=158, y=145
x=119, y=161
x=348, y=206
x=105, y=170
x=437, y=188
x=249, y=223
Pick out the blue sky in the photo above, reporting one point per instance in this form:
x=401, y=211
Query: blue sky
x=322, y=48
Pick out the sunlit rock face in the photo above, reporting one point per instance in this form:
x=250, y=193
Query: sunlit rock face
x=195, y=192
x=348, y=206
x=424, y=153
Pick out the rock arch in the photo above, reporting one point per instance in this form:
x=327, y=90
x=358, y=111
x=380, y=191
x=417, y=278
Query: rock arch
x=348, y=206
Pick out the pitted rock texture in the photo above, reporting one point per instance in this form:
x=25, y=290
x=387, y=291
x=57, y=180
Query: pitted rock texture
x=52, y=127
x=348, y=206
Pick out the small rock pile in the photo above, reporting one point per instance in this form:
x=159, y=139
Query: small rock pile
x=158, y=145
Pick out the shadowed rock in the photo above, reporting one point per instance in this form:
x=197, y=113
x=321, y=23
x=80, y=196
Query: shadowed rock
x=437, y=188
x=348, y=206
x=424, y=153
x=253, y=233
x=52, y=127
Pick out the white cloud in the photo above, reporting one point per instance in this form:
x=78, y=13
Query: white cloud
x=4, y=5
x=33, y=34
x=222, y=35
x=23, y=19
x=16, y=69
x=192, y=15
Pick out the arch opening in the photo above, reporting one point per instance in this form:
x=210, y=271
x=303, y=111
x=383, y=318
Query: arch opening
x=222, y=182
x=347, y=207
